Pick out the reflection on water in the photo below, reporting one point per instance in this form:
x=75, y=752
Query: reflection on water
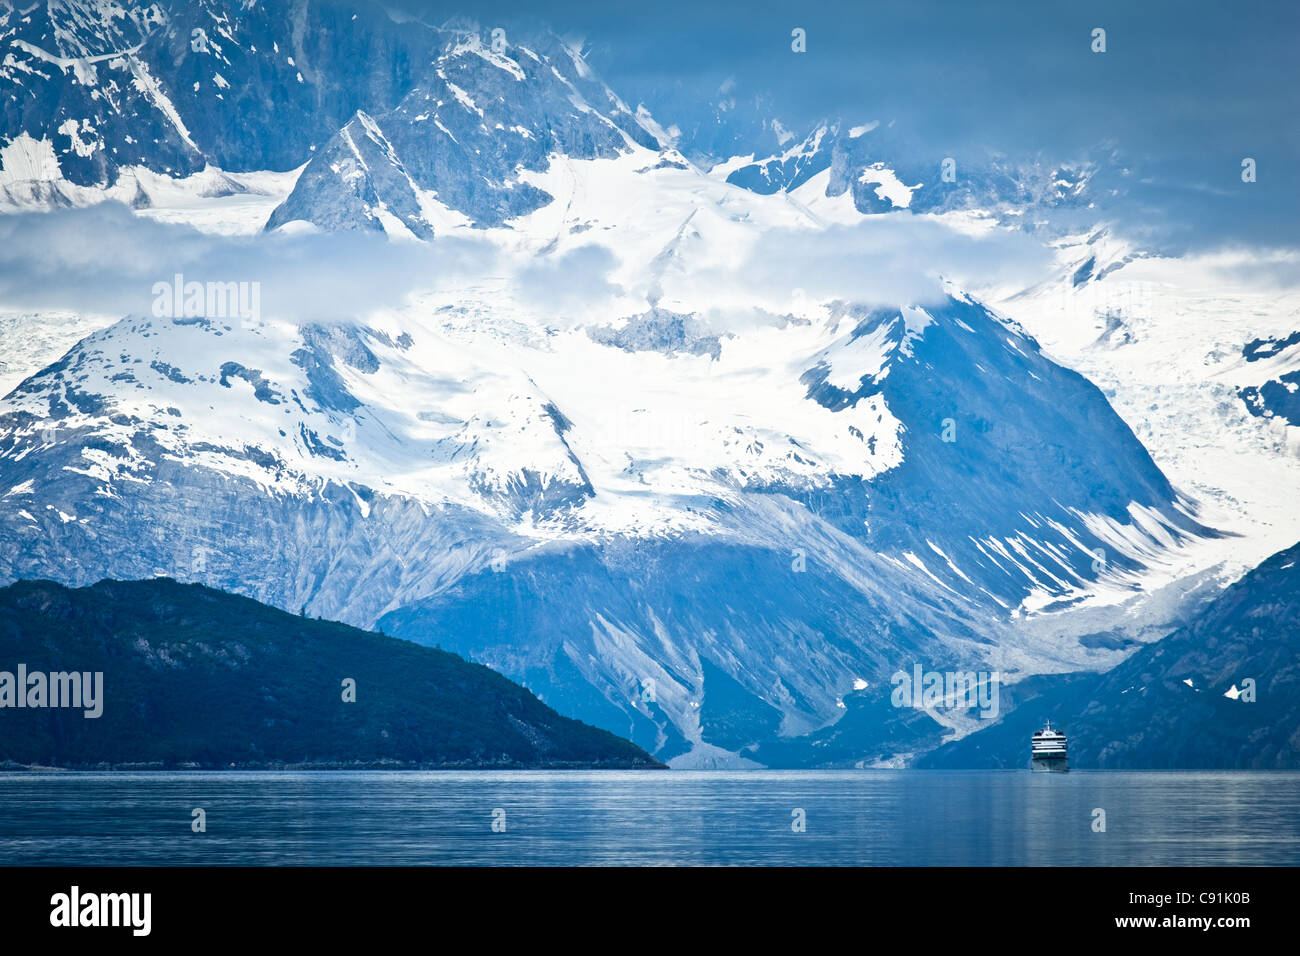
x=889, y=818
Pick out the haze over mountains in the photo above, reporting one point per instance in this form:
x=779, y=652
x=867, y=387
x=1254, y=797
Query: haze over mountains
x=701, y=454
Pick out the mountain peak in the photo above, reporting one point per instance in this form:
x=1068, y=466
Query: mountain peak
x=485, y=113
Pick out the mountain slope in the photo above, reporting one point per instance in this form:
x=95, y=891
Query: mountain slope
x=81, y=102
x=389, y=470
x=1177, y=704
x=629, y=447
x=867, y=169
x=462, y=138
x=99, y=88
x=193, y=676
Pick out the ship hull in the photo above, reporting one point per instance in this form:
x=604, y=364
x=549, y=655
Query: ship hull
x=1049, y=764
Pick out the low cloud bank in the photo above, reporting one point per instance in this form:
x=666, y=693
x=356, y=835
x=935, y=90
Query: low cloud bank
x=106, y=260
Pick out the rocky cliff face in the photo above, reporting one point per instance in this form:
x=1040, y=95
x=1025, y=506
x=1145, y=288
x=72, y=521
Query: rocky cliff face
x=479, y=118
x=174, y=86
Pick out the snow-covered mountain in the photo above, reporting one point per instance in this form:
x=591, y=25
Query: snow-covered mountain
x=874, y=169
x=1217, y=694
x=100, y=87
x=781, y=524
x=1198, y=353
x=633, y=457
x=444, y=148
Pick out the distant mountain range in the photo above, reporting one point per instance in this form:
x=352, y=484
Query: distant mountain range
x=193, y=677
x=393, y=112
x=711, y=513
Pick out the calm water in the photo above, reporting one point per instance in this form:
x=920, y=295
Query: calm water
x=904, y=818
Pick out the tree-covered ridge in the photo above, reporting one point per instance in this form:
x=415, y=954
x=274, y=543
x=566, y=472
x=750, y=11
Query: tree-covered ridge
x=194, y=676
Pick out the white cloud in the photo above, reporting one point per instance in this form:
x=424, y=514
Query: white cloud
x=893, y=260
x=103, y=259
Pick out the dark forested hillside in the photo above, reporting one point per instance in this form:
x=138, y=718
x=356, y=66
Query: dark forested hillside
x=195, y=676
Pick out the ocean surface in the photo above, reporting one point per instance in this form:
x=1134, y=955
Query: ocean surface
x=853, y=818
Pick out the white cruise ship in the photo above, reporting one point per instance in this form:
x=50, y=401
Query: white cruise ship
x=1049, y=751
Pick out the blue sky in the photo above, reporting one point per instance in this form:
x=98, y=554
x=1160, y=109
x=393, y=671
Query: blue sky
x=1184, y=91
